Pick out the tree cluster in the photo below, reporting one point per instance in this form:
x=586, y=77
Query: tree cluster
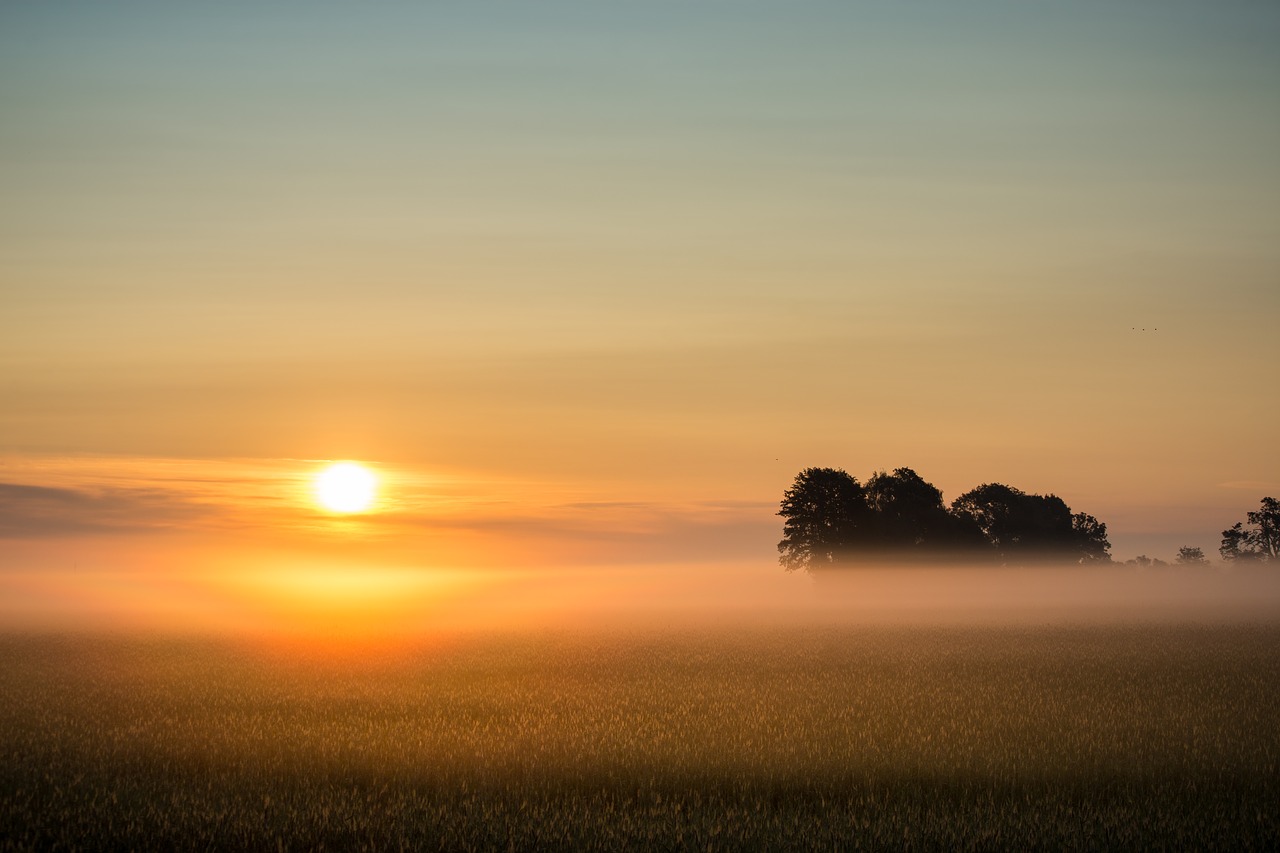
x=1259, y=541
x=830, y=519
x=1187, y=556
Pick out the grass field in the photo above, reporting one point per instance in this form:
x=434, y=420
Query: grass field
x=770, y=738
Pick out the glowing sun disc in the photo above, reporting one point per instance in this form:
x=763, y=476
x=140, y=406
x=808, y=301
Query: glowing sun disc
x=346, y=487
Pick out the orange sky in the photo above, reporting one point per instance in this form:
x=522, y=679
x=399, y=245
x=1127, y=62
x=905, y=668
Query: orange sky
x=588, y=287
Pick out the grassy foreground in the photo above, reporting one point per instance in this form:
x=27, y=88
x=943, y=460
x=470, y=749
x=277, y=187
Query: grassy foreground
x=778, y=738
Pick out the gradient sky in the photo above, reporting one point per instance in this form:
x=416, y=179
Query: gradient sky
x=588, y=283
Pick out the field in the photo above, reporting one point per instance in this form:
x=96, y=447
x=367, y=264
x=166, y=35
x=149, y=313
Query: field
x=837, y=738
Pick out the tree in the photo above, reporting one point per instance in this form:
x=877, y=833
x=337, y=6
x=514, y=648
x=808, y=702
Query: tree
x=1188, y=556
x=1090, y=538
x=908, y=512
x=1266, y=536
x=826, y=517
x=991, y=507
x=1235, y=544
x=831, y=519
x=1025, y=527
x=1259, y=541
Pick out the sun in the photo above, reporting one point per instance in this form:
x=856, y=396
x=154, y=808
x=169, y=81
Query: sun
x=346, y=487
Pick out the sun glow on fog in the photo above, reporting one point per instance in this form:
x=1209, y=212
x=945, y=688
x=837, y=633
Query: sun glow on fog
x=346, y=487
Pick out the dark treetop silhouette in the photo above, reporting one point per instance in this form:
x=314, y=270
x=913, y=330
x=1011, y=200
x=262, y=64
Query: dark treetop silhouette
x=1188, y=556
x=830, y=519
x=1260, y=541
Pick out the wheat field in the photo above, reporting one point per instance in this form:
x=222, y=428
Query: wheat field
x=768, y=738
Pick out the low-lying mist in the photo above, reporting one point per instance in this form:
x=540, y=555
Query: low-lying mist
x=341, y=599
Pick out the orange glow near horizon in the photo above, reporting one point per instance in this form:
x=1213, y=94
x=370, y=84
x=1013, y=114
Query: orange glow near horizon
x=100, y=512
x=340, y=609
x=240, y=546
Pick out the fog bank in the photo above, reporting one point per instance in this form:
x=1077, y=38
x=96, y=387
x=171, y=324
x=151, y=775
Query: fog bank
x=339, y=600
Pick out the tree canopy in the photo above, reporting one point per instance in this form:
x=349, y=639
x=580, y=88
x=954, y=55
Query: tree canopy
x=826, y=516
x=1257, y=538
x=1023, y=527
x=830, y=519
x=1189, y=556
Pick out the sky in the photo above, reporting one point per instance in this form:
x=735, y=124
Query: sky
x=588, y=283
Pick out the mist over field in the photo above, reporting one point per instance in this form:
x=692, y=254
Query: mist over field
x=716, y=707
x=310, y=597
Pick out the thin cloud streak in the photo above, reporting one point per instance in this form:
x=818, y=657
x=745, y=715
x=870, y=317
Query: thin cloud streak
x=44, y=512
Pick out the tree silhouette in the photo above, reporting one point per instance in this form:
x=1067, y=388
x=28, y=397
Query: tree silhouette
x=908, y=510
x=908, y=515
x=826, y=515
x=831, y=520
x=1090, y=538
x=1188, y=556
x=1259, y=541
x=995, y=509
x=1025, y=527
x=1233, y=545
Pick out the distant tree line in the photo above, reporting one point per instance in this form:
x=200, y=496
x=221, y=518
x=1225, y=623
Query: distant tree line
x=1256, y=540
x=1187, y=556
x=830, y=519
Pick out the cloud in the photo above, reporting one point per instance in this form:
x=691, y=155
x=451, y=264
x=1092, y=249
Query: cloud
x=1251, y=485
x=28, y=511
